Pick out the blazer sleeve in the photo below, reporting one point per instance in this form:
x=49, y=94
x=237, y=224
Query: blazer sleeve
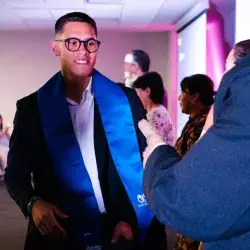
x=204, y=195
x=18, y=171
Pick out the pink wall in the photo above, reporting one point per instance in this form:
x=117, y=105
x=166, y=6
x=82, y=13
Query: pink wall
x=217, y=46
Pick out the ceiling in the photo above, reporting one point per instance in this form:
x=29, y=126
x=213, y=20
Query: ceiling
x=109, y=14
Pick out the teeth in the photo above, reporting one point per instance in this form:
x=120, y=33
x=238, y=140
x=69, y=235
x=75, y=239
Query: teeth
x=81, y=61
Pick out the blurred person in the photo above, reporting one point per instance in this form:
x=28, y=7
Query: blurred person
x=4, y=146
x=204, y=195
x=87, y=175
x=150, y=89
x=136, y=63
x=196, y=98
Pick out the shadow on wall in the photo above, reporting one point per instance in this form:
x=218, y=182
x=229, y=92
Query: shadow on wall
x=217, y=47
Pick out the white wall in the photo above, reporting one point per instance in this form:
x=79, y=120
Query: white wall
x=191, y=58
x=228, y=12
x=242, y=31
x=26, y=62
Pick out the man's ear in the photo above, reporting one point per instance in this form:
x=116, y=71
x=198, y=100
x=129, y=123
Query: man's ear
x=54, y=48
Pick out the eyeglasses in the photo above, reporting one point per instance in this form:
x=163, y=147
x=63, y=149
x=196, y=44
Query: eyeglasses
x=73, y=44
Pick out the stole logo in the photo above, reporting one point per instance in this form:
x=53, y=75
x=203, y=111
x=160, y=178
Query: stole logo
x=142, y=200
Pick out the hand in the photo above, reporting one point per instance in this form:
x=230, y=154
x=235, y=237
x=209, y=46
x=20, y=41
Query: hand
x=122, y=230
x=44, y=215
x=152, y=138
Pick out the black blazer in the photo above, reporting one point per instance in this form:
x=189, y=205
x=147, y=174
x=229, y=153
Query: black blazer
x=29, y=154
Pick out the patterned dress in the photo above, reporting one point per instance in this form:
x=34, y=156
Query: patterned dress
x=161, y=121
x=190, y=134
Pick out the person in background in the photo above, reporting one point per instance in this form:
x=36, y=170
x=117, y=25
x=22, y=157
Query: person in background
x=150, y=89
x=136, y=63
x=196, y=98
x=4, y=146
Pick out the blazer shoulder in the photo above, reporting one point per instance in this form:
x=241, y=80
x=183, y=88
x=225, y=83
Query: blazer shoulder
x=28, y=101
x=130, y=93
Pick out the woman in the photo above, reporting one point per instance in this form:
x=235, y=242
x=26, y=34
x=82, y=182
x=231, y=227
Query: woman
x=150, y=89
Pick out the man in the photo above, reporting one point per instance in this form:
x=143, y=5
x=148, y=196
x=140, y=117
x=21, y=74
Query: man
x=76, y=137
x=136, y=63
x=205, y=195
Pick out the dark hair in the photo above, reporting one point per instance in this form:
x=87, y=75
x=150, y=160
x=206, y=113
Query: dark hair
x=74, y=17
x=153, y=81
x=241, y=49
x=202, y=85
x=142, y=58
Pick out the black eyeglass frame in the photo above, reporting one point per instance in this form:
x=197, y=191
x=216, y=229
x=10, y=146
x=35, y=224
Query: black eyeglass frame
x=84, y=42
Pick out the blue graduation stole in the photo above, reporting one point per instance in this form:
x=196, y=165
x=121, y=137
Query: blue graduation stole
x=79, y=200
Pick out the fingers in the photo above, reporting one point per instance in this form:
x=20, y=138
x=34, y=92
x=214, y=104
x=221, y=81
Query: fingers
x=116, y=237
x=123, y=230
x=60, y=214
x=48, y=225
x=55, y=226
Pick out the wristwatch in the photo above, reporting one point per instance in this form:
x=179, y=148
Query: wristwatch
x=31, y=203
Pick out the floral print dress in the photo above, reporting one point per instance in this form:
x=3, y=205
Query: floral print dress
x=161, y=121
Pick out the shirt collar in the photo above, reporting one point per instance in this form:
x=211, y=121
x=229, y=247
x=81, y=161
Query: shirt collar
x=87, y=92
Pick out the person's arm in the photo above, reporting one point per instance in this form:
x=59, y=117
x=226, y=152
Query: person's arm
x=163, y=125
x=203, y=196
x=18, y=171
x=18, y=178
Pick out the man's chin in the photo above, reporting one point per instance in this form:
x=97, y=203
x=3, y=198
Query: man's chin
x=83, y=74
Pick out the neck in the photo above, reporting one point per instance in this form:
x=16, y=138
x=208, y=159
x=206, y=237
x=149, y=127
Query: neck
x=151, y=105
x=74, y=88
x=196, y=110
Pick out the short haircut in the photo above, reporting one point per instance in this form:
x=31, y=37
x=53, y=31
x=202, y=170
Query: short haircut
x=142, y=58
x=74, y=17
x=241, y=49
x=202, y=85
x=153, y=81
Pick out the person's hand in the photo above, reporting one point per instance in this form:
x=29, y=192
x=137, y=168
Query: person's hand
x=152, y=137
x=44, y=216
x=122, y=230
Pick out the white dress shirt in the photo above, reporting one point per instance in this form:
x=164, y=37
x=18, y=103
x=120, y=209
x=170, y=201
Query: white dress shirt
x=82, y=116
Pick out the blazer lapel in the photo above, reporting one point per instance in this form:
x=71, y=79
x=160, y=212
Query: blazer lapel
x=100, y=144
